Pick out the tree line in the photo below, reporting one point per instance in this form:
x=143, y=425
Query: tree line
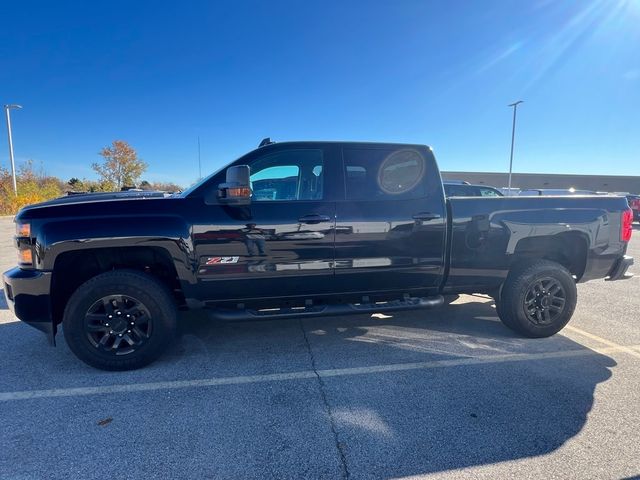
x=120, y=169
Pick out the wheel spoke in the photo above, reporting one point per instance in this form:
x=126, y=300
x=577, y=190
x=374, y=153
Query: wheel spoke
x=95, y=317
x=104, y=340
x=92, y=327
x=131, y=309
x=108, y=306
x=117, y=342
x=538, y=316
x=139, y=333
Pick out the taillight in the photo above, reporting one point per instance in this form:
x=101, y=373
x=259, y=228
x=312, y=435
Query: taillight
x=626, y=226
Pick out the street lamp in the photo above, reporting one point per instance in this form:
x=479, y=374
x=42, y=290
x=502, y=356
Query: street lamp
x=13, y=163
x=513, y=136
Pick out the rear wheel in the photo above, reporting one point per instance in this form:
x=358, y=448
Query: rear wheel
x=538, y=299
x=119, y=320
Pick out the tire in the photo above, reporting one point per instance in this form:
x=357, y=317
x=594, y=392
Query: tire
x=448, y=299
x=538, y=299
x=496, y=295
x=143, y=318
x=496, y=301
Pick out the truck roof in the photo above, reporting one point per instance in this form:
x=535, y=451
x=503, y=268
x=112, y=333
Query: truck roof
x=343, y=142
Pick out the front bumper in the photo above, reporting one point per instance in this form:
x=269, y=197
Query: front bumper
x=28, y=296
x=619, y=270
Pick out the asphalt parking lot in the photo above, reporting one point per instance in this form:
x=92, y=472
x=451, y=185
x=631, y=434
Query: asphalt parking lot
x=449, y=393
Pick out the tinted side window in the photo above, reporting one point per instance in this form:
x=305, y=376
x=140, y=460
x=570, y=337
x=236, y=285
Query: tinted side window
x=460, y=191
x=375, y=174
x=489, y=192
x=288, y=175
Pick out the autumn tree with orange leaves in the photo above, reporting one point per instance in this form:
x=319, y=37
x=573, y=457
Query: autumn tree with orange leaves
x=121, y=166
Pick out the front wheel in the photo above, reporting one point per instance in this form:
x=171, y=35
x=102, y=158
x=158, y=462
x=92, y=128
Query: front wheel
x=538, y=299
x=119, y=320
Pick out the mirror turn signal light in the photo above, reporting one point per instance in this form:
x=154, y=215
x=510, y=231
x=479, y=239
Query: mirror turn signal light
x=238, y=192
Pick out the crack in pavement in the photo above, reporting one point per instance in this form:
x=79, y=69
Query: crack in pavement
x=339, y=446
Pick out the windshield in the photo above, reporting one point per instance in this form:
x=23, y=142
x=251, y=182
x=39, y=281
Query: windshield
x=193, y=187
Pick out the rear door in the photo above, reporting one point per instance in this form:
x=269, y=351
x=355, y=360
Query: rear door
x=390, y=227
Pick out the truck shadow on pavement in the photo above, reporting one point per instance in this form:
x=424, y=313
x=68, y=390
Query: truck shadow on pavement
x=3, y=301
x=380, y=423
x=437, y=418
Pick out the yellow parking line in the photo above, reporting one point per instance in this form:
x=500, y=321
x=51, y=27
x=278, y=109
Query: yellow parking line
x=630, y=350
x=304, y=375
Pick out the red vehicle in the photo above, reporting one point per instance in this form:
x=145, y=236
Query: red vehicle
x=634, y=203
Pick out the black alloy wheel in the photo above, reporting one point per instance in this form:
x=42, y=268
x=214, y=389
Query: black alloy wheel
x=544, y=301
x=118, y=324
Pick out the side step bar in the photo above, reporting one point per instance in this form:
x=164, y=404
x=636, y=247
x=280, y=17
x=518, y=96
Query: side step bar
x=410, y=303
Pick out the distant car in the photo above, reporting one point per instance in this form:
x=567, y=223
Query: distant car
x=509, y=192
x=634, y=203
x=544, y=192
x=455, y=189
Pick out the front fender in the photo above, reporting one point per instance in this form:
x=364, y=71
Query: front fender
x=170, y=233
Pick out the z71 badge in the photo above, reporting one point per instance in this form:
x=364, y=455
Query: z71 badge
x=219, y=260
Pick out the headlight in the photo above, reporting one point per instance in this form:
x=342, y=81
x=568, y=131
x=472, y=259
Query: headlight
x=25, y=257
x=23, y=229
x=23, y=242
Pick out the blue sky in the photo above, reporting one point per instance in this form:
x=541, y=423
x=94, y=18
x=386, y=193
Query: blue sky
x=160, y=74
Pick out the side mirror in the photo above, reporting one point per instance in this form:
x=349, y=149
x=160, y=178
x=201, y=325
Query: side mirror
x=237, y=189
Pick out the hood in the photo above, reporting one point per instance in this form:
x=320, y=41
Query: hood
x=81, y=198
x=100, y=197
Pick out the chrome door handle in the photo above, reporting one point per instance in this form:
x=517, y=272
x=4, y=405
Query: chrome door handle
x=425, y=216
x=314, y=219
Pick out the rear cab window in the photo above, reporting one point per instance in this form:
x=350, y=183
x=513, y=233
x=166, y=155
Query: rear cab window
x=377, y=174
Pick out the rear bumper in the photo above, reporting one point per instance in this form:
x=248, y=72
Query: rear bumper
x=619, y=270
x=28, y=296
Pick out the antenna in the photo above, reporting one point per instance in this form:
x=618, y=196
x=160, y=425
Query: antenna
x=265, y=141
x=199, y=163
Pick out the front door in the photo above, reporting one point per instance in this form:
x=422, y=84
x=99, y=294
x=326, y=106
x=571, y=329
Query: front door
x=282, y=243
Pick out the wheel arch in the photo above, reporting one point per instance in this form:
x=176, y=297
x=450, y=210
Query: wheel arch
x=72, y=268
x=569, y=249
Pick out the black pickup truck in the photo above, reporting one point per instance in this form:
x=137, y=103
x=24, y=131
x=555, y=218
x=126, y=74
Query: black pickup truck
x=302, y=229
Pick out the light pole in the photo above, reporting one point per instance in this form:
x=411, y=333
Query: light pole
x=513, y=137
x=13, y=163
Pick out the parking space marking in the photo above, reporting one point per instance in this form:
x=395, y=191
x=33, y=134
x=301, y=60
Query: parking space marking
x=630, y=349
x=304, y=375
